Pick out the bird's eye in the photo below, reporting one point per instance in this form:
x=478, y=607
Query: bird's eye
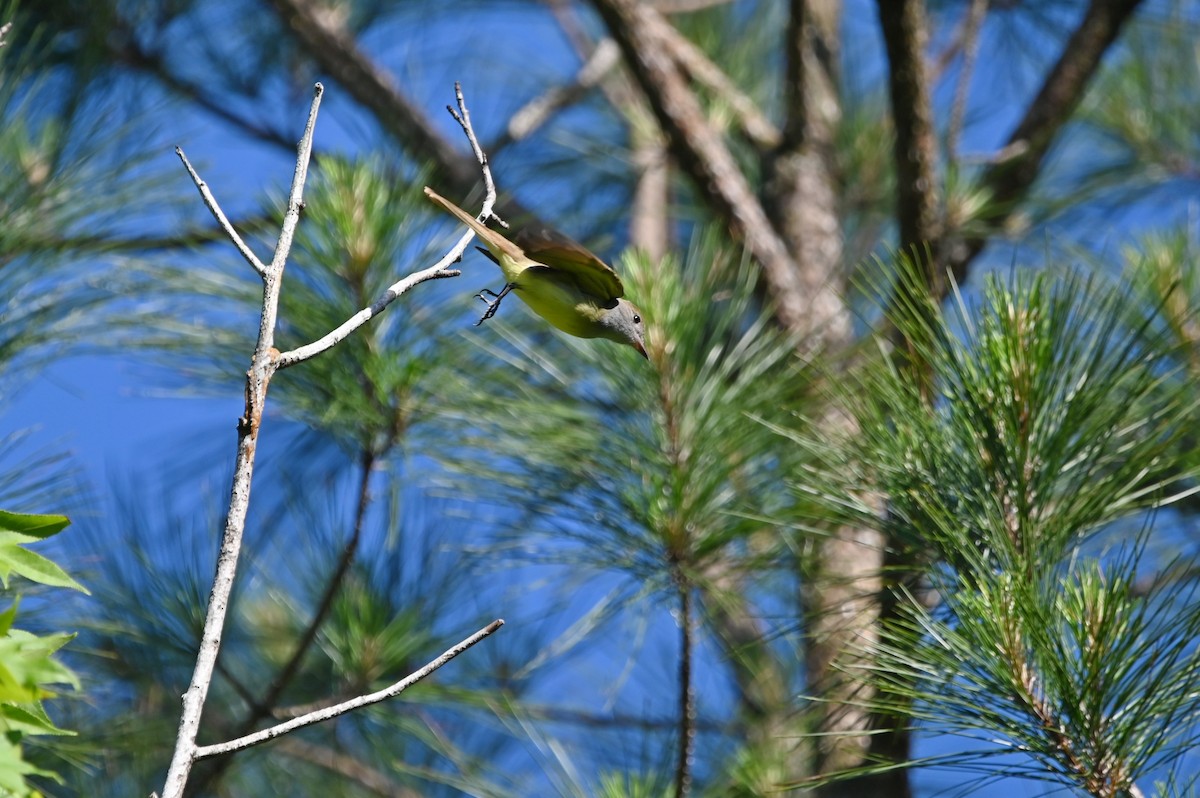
x=637, y=319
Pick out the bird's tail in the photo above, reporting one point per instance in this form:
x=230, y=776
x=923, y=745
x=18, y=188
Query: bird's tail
x=498, y=244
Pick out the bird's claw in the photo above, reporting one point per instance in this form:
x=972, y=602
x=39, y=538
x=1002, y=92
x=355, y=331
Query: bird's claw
x=493, y=303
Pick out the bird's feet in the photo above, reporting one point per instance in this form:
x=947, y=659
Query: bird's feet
x=493, y=303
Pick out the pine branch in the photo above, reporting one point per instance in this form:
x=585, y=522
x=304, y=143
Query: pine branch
x=1010, y=178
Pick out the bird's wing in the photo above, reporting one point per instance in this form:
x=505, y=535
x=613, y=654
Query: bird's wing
x=593, y=276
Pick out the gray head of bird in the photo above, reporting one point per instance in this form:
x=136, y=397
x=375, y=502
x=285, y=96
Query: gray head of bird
x=623, y=324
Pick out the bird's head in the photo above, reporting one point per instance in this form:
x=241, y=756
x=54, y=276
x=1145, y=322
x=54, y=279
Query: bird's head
x=623, y=324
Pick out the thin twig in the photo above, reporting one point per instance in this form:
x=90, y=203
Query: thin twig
x=346, y=706
x=211, y=203
x=687, y=693
x=686, y=6
x=958, y=110
x=439, y=270
x=615, y=720
x=463, y=117
x=1063, y=87
x=939, y=63
x=345, y=765
x=188, y=239
x=257, y=381
x=132, y=53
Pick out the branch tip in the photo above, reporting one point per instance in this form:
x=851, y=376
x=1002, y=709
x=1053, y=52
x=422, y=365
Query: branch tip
x=436, y=271
x=223, y=222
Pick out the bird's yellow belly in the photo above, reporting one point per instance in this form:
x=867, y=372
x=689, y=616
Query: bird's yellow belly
x=561, y=304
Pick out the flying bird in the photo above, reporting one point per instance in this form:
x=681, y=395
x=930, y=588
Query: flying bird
x=558, y=279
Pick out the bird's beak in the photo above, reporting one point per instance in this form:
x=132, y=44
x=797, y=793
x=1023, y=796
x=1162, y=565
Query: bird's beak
x=640, y=348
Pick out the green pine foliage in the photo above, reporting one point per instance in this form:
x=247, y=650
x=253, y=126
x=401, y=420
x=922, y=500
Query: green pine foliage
x=647, y=466
x=1024, y=446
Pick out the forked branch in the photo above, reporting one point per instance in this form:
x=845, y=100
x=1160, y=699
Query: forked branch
x=265, y=361
x=1019, y=163
x=438, y=270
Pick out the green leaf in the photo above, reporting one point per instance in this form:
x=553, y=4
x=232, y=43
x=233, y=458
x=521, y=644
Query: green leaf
x=14, y=558
x=6, y=618
x=37, y=568
x=26, y=665
x=14, y=769
x=29, y=719
x=36, y=526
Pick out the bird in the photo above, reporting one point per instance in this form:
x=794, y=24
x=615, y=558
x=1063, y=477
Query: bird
x=559, y=279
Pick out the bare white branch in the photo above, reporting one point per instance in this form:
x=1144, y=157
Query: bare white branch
x=4, y=29
x=264, y=363
x=348, y=706
x=394, y=292
x=463, y=117
x=257, y=380
x=438, y=270
x=211, y=203
x=296, y=199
